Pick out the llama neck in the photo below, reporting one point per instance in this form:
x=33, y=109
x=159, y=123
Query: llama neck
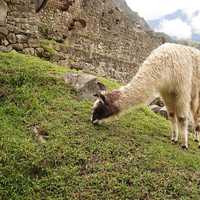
x=139, y=90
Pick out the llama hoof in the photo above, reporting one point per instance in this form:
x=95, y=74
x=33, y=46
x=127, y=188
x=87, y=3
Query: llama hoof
x=184, y=147
x=196, y=140
x=199, y=146
x=174, y=141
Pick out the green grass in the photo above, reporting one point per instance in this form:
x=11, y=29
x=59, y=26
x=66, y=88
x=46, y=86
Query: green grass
x=130, y=158
x=49, y=46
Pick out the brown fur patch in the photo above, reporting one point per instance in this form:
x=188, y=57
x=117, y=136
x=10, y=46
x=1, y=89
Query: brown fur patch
x=113, y=96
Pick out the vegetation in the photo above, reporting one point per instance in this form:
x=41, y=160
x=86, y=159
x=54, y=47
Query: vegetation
x=48, y=46
x=129, y=158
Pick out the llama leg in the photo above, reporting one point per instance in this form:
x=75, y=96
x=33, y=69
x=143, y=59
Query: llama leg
x=182, y=104
x=183, y=127
x=173, y=119
x=198, y=139
x=196, y=135
x=176, y=131
x=182, y=111
x=169, y=100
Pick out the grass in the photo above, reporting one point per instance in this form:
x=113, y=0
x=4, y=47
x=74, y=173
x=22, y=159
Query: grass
x=48, y=46
x=130, y=158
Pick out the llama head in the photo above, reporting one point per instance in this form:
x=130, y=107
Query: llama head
x=105, y=106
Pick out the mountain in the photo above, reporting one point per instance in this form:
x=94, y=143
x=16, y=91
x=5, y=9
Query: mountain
x=181, y=20
x=133, y=16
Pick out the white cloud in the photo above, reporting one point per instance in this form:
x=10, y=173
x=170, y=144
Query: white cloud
x=195, y=23
x=176, y=28
x=156, y=8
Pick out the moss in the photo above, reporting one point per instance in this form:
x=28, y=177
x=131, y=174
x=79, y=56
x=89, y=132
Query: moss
x=48, y=46
x=129, y=158
x=110, y=84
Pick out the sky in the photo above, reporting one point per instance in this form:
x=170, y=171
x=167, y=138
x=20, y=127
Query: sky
x=154, y=9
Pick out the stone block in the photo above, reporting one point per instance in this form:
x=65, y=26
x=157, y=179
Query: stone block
x=12, y=38
x=5, y=49
x=85, y=84
x=4, y=42
x=3, y=31
x=18, y=47
x=3, y=12
x=21, y=38
x=30, y=51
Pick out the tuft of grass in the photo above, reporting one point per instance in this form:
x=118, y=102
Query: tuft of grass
x=48, y=46
x=110, y=84
x=130, y=158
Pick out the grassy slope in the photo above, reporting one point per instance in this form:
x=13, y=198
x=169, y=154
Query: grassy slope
x=131, y=158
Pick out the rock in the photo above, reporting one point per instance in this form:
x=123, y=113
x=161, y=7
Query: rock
x=39, y=52
x=30, y=51
x=18, y=47
x=4, y=31
x=40, y=134
x=33, y=42
x=39, y=4
x=85, y=84
x=3, y=12
x=21, y=38
x=5, y=49
x=5, y=42
x=12, y=38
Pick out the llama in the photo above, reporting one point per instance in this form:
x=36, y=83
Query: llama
x=173, y=71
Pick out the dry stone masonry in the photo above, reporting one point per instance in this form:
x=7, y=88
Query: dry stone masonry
x=103, y=37
x=18, y=26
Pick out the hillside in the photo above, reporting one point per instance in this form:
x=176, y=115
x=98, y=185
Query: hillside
x=128, y=159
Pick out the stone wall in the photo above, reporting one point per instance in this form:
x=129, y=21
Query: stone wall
x=18, y=26
x=98, y=36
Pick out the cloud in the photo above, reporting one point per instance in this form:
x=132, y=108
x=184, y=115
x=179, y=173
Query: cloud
x=195, y=24
x=176, y=28
x=156, y=8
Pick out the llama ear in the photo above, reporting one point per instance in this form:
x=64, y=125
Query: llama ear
x=103, y=97
x=100, y=96
x=102, y=87
x=97, y=95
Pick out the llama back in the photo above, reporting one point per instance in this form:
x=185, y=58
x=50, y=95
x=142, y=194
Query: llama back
x=168, y=67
